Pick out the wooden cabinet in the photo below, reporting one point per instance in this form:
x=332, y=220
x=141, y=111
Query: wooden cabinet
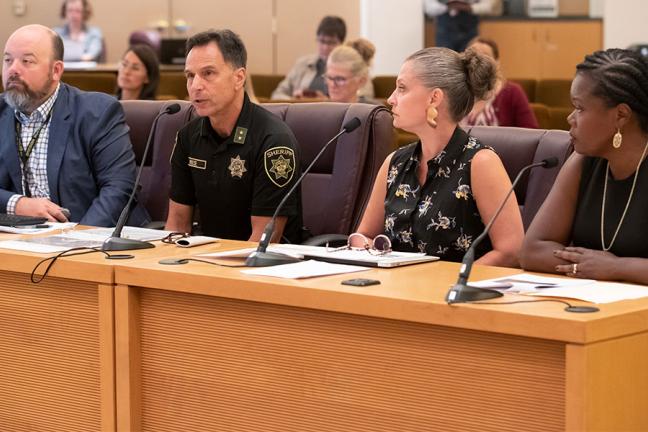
x=541, y=49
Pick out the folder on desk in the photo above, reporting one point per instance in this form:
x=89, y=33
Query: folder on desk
x=355, y=257
x=318, y=253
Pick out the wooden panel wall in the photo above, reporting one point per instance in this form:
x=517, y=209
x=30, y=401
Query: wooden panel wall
x=217, y=364
x=50, y=368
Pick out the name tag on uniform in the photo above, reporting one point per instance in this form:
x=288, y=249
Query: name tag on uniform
x=197, y=163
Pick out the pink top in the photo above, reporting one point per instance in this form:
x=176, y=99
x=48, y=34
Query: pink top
x=509, y=108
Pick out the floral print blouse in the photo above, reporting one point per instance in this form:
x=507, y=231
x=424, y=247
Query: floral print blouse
x=439, y=217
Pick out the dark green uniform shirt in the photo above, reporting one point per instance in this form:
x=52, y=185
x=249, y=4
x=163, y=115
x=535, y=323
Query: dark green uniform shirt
x=233, y=178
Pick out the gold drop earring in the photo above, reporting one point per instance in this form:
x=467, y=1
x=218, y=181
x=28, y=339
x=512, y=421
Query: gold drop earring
x=432, y=114
x=618, y=139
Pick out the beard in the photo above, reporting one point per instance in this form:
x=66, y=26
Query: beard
x=22, y=98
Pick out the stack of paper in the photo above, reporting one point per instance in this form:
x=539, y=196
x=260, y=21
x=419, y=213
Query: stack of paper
x=91, y=238
x=580, y=289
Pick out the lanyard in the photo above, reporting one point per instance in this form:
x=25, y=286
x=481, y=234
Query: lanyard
x=23, y=153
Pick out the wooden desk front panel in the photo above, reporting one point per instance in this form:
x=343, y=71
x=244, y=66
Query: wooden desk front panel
x=208, y=363
x=50, y=368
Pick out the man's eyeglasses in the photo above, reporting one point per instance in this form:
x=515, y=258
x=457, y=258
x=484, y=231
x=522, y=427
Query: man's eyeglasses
x=337, y=80
x=174, y=236
x=381, y=244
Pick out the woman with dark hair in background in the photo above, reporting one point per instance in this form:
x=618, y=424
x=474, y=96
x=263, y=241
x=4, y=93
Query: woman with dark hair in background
x=594, y=221
x=138, y=74
x=508, y=106
x=81, y=41
x=436, y=194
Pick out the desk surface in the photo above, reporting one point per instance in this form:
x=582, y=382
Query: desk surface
x=413, y=293
x=151, y=333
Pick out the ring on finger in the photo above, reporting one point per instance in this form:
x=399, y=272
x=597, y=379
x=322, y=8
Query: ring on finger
x=575, y=268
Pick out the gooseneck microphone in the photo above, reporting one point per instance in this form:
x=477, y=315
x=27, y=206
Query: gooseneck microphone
x=262, y=258
x=461, y=292
x=116, y=242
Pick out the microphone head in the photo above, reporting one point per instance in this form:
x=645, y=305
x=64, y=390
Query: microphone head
x=351, y=125
x=172, y=109
x=550, y=162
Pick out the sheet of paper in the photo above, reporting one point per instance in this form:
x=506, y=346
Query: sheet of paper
x=244, y=253
x=51, y=226
x=31, y=247
x=596, y=292
x=523, y=283
x=304, y=269
x=581, y=289
x=135, y=233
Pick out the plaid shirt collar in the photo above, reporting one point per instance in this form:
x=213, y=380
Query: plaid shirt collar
x=40, y=113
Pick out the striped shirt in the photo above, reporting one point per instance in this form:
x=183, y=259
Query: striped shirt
x=36, y=170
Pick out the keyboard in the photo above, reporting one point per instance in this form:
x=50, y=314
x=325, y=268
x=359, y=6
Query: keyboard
x=17, y=220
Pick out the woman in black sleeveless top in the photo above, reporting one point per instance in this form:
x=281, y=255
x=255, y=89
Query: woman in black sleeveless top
x=435, y=195
x=594, y=223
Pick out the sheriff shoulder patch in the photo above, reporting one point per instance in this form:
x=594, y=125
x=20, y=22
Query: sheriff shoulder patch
x=279, y=165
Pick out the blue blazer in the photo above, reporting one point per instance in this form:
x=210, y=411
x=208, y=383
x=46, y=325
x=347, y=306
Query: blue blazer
x=90, y=160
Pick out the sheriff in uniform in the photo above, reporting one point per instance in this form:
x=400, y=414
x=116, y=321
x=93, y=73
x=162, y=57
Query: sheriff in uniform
x=235, y=162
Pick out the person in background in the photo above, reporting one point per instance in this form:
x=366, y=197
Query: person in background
x=305, y=79
x=235, y=161
x=138, y=74
x=594, y=221
x=347, y=71
x=457, y=21
x=509, y=105
x=436, y=195
x=60, y=147
x=81, y=41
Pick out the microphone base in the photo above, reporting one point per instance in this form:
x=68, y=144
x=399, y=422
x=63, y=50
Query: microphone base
x=267, y=259
x=467, y=293
x=122, y=244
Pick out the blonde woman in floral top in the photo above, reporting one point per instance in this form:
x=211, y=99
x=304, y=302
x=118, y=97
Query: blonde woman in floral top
x=435, y=195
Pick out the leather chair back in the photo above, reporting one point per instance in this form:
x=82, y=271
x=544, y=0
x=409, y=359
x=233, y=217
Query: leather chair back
x=334, y=194
x=518, y=147
x=146, y=37
x=156, y=174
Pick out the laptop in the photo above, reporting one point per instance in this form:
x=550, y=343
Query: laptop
x=172, y=51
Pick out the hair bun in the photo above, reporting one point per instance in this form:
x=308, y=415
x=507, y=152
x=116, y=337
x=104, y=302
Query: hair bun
x=365, y=48
x=481, y=73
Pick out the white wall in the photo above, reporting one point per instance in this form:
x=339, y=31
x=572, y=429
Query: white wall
x=395, y=27
x=625, y=23
x=596, y=8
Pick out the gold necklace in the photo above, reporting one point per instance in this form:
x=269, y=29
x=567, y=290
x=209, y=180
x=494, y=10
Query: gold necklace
x=625, y=210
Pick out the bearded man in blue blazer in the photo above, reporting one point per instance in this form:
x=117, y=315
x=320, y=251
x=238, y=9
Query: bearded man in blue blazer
x=60, y=147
